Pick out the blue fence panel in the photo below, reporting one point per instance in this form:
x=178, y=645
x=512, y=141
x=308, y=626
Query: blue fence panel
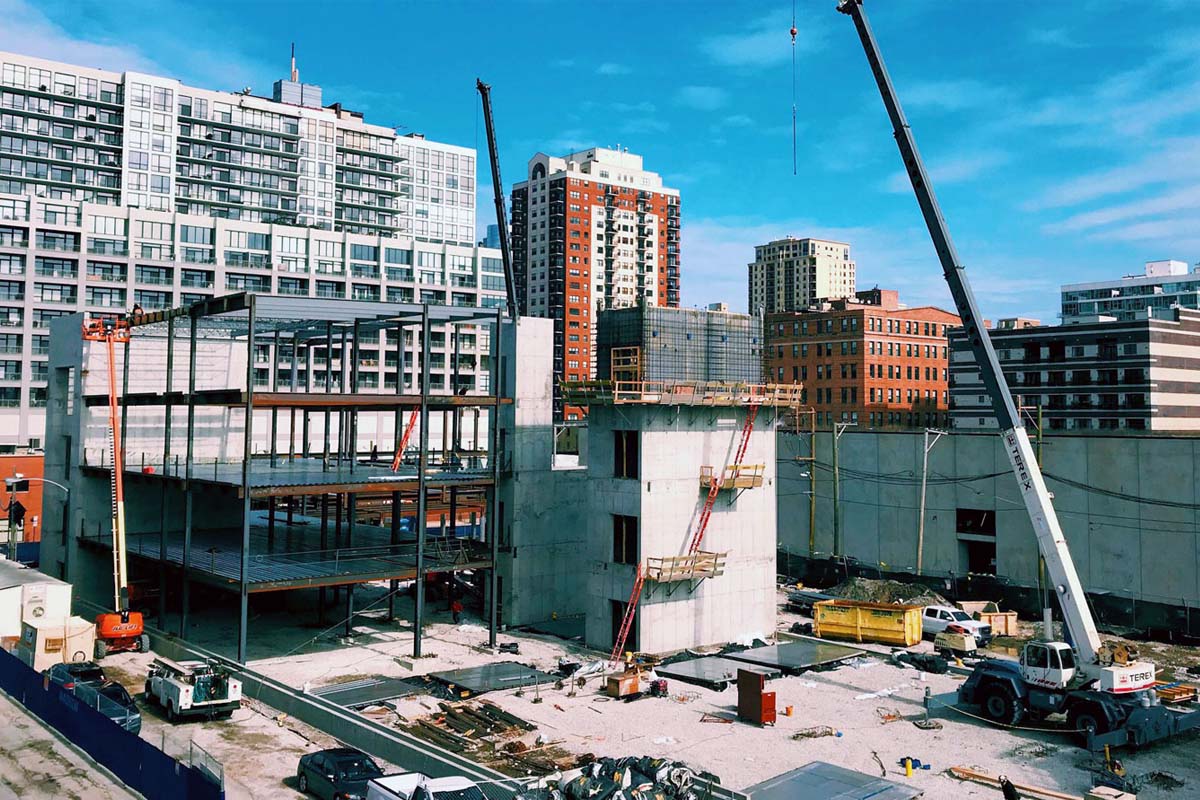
x=136, y=762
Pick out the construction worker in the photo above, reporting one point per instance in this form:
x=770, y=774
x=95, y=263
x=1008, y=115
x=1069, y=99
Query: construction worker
x=1007, y=789
x=456, y=610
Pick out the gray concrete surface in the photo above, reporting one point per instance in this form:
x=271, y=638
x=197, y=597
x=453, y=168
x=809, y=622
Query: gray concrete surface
x=36, y=763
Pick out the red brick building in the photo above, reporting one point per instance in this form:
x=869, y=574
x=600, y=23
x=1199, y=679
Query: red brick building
x=590, y=231
x=866, y=361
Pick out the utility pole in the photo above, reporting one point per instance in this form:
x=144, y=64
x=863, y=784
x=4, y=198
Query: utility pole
x=838, y=429
x=924, y=479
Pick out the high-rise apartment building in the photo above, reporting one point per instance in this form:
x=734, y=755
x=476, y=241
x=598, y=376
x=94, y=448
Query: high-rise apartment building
x=792, y=274
x=125, y=188
x=592, y=230
x=1165, y=285
x=1119, y=374
x=867, y=361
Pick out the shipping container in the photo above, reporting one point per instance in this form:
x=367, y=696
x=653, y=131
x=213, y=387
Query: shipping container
x=859, y=621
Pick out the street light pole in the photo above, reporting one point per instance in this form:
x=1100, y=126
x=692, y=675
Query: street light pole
x=838, y=429
x=924, y=479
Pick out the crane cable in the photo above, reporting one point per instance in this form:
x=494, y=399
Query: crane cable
x=793, y=32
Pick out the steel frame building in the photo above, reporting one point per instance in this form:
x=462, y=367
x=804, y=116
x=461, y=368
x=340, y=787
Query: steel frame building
x=215, y=521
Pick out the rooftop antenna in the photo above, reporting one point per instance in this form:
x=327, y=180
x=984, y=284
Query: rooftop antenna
x=296, y=74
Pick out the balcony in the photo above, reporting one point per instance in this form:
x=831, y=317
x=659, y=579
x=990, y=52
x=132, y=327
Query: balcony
x=107, y=249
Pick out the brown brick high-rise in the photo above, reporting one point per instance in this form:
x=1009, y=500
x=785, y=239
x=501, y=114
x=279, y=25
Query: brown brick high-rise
x=865, y=360
x=591, y=230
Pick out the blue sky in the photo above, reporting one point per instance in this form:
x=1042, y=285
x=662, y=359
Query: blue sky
x=1062, y=137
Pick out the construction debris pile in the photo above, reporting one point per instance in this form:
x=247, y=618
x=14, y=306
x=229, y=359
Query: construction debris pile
x=630, y=778
x=884, y=591
x=493, y=736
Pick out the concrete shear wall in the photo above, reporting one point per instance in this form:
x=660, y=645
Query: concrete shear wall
x=1147, y=552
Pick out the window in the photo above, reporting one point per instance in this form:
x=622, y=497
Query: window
x=625, y=539
x=625, y=454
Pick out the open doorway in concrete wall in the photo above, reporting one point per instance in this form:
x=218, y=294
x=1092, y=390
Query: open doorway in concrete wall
x=617, y=610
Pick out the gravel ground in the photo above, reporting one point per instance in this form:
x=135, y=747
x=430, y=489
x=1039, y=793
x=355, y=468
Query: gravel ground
x=35, y=763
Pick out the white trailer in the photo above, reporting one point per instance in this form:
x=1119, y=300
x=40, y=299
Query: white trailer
x=27, y=595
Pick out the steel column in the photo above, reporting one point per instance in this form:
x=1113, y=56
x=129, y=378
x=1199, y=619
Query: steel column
x=422, y=465
x=328, y=388
x=494, y=455
x=247, y=453
x=188, y=499
x=162, y=534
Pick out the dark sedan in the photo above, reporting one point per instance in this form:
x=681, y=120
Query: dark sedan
x=337, y=774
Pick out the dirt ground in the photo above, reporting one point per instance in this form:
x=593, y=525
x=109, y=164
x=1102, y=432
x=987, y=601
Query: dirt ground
x=851, y=700
x=35, y=764
x=257, y=747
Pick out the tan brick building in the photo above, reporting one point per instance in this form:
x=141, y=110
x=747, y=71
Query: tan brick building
x=866, y=360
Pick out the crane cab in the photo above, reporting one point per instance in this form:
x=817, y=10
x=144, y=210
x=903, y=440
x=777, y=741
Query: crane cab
x=1049, y=665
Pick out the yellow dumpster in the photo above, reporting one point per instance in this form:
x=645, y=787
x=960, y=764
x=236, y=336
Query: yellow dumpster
x=859, y=621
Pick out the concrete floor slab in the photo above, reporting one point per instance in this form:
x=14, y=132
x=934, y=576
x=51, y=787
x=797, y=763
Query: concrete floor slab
x=797, y=656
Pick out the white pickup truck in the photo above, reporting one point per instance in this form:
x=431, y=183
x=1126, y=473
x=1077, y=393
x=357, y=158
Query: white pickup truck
x=193, y=689
x=936, y=619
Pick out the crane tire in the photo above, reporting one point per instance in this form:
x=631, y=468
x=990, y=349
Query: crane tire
x=1000, y=705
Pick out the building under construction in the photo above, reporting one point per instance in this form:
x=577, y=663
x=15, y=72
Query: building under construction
x=676, y=546
x=256, y=460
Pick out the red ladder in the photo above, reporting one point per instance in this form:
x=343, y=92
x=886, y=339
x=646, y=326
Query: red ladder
x=408, y=429
x=715, y=487
x=627, y=620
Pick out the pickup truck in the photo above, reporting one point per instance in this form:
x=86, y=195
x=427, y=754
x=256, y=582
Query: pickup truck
x=193, y=689
x=936, y=619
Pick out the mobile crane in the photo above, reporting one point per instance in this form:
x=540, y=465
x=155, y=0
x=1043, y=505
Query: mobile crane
x=1104, y=690
x=120, y=629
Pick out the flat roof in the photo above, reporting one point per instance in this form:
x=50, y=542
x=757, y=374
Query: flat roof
x=13, y=574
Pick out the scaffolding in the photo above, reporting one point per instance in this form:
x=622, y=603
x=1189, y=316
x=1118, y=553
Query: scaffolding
x=694, y=566
x=681, y=393
x=362, y=498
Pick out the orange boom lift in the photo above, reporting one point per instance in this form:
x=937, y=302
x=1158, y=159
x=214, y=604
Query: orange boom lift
x=121, y=629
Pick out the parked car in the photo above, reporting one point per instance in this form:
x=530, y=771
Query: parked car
x=937, y=619
x=87, y=681
x=340, y=773
x=67, y=675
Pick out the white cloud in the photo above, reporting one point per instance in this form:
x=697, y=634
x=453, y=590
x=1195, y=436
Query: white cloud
x=611, y=68
x=702, y=98
x=1173, y=160
x=950, y=170
x=1054, y=37
x=951, y=95
x=737, y=121
x=715, y=252
x=765, y=41
x=180, y=52
x=1185, y=198
x=28, y=31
